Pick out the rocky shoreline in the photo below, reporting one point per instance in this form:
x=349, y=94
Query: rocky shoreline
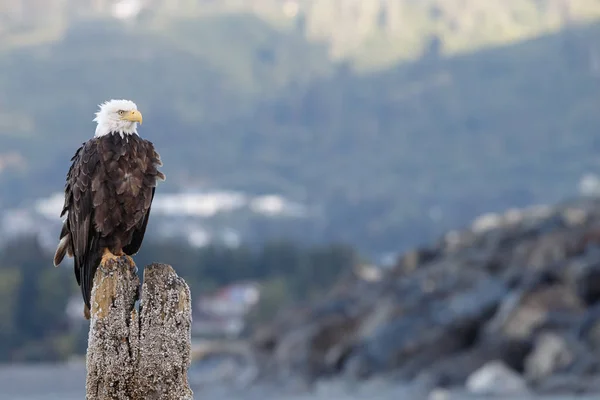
x=508, y=306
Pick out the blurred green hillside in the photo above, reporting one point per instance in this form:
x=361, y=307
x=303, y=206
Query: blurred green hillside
x=373, y=33
x=399, y=119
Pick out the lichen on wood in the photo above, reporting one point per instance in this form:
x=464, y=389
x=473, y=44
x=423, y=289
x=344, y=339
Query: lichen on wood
x=145, y=354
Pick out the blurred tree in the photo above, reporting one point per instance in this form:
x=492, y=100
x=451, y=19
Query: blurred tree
x=10, y=281
x=34, y=295
x=274, y=295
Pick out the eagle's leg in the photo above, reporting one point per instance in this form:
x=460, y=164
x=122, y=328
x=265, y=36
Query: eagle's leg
x=107, y=255
x=131, y=264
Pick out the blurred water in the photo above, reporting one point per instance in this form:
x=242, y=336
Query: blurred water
x=67, y=382
x=42, y=382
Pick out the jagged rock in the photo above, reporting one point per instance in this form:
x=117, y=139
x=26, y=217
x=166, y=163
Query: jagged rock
x=412, y=259
x=520, y=290
x=453, y=370
x=584, y=275
x=525, y=311
x=550, y=354
x=495, y=378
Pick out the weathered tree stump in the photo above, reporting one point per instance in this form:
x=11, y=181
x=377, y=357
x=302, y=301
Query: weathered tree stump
x=141, y=355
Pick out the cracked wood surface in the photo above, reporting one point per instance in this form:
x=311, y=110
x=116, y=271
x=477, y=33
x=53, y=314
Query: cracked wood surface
x=145, y=354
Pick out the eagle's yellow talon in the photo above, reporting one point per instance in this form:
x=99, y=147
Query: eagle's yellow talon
x=108, y=256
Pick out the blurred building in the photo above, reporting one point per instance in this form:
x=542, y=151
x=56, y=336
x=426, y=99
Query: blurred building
x=224, y=312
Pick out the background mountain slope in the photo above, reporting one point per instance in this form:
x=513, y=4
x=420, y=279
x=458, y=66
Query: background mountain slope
x=392, y=129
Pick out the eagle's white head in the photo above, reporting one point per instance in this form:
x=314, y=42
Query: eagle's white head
x=117, y=116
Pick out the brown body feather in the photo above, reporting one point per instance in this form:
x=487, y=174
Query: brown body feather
x=108, y=195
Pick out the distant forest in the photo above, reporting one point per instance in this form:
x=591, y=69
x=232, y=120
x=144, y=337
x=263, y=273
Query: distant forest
x=34, y=294
x=390, y=154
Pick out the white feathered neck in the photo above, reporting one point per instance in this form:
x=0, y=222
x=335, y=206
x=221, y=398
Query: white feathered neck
x=109, y=121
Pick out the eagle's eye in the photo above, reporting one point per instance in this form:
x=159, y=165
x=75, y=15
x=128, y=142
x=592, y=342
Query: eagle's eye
x=121, y=112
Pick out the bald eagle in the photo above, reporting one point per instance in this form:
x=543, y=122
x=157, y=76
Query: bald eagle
x=108, y=194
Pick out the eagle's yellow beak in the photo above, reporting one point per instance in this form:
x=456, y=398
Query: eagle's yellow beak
x=133, y=116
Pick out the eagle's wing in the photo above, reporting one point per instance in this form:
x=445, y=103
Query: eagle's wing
x=79, y=206
x=138, y=234
x=150, y=161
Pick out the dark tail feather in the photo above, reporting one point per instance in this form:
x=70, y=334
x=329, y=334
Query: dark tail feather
x=88, y=270
x=86, y=312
